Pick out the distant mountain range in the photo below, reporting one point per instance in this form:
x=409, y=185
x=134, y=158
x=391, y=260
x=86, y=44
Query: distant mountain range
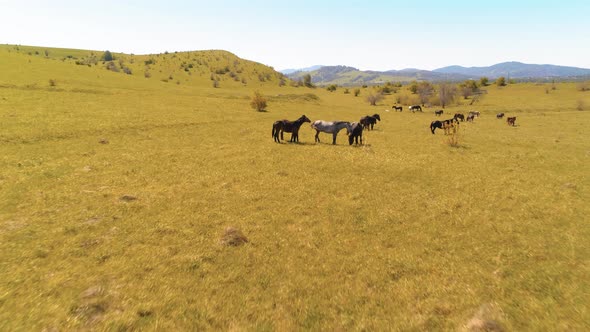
x=291, y=71
x=344, y=75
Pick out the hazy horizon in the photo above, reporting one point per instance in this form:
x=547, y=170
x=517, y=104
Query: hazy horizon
x=380, y=35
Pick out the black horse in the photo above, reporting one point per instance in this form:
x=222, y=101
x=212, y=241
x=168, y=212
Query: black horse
x=438, y=113
x=459, y=116
x=288, y=126
x=446, y=125
x=356, y=132
x=369, y=121
x=499, y=115
x=397, y=108
x=415, y=108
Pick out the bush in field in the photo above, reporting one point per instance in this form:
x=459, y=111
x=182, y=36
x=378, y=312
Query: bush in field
x=357, y=92
x=112, y=67
x=346, y=91
x=52, y=82
x=332, y=87
x=258, y=102
x=501, y=81
x=484, y=81
x=374, y=98
x=584, y=86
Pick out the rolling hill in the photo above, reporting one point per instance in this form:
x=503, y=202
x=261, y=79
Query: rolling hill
x=195, y=68
x=348, y=76
x=515, y=69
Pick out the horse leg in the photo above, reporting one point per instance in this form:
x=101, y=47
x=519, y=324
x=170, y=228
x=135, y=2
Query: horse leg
x=334, y=138
x=317, y=136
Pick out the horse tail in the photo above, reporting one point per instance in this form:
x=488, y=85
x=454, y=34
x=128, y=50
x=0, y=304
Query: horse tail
x=273, y=130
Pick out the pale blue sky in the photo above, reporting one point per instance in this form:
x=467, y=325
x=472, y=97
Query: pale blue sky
x=377, y=35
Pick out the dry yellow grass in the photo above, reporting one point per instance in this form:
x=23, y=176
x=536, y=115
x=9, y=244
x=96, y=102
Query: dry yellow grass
x=403, y=233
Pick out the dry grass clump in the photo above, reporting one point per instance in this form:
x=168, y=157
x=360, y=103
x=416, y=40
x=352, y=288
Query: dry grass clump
x=233, y=237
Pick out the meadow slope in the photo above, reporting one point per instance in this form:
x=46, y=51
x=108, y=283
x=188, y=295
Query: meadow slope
x=115, y=191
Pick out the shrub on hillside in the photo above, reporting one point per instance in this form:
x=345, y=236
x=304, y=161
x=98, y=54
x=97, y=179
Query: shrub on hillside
x=112, y=66
x=501, y=81
x=52, y=82
x=331, y=87
x=107, y=56
x=258, y=102
x=357, y=92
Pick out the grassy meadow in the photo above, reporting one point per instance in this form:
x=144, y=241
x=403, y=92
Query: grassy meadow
x=116, y=190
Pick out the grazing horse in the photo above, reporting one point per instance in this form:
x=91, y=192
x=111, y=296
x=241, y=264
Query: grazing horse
x=369, y=121
x=470, y=117
x=329, y=127
x=459, y=116
x=499, y=115
x=288, y=126
x=356, y=132
x=446, y=125
x=415, y=108
x=511, y=121
x=397, y=108
x=474, y=113
x=438, y=113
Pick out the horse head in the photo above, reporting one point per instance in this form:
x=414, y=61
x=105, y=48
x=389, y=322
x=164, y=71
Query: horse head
x=303, y=118
x=376, y=116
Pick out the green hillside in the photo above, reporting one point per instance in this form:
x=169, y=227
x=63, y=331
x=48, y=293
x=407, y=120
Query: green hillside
x=197, y=68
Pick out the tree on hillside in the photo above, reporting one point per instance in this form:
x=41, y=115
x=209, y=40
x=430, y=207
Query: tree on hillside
x=425, y=90
x=501, y=81
x=484, y=81
x=468, y=88
x=413, y=87
x=307, y=81
x=446, y=94
x=107, y=56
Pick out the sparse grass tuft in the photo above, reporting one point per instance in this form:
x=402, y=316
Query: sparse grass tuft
x=233, y=237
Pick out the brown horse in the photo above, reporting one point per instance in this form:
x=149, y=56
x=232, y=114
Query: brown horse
x=511, y=121
x=397, y=108
x=288, y=126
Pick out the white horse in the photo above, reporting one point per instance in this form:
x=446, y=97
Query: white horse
x=332, y=127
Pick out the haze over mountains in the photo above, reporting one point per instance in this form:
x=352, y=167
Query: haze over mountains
x=344, y=75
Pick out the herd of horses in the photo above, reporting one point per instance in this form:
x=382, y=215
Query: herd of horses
x=354, y=130
x=451, y=124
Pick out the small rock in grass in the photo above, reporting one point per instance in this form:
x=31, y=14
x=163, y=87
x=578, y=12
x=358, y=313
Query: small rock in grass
x=128, y=198
x=103, y=141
